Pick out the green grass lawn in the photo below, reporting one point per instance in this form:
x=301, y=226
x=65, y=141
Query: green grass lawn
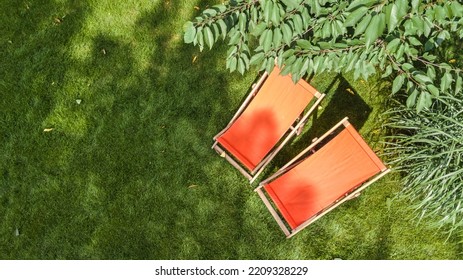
x=129, y=173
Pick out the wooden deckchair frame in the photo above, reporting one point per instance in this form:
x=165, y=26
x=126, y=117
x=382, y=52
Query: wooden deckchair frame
x=253, y=174
x=290, y=233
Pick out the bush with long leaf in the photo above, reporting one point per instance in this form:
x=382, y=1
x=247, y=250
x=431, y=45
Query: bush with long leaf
x=427, y=148
x=395, y=37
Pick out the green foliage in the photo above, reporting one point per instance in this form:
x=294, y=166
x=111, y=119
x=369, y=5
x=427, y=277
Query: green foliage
x=427, y=148
x=365, y=36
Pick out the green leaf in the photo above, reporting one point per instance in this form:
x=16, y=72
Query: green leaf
x=287, y=33
x=411, y=100
x=267, y=43
x=275, y=16
x=326, y=30
x=458, y=85
x=296, y=69
x=414, y=41
x=291, y=4
x=325, y=45
x=234, y=37
x=232, y=63
x=423, y=78
x=433, y=89
x=355, y=16
x=220, y=7
x=257, y=58
x=304, y=67
x=303, y=44
x=288, y=53
x=232, y=51
x=400, y=52
x=431, y=72
x=259, y=29
x=264, y=63
x=242, y=22
x=298, y=24
x=439, y=13
x=415, y=5
x=286, y=70
x=362, y=26
x=393, y=18
x=268, y=10
x=407, y=67
x=446, y=82
x=392, y=45
x=270, y=65
x=223, y=28
x=388, y=72
x=277, y=36
x=306, y=18
x=360, y=3
x=190, y=32
x=375, y=29
x=210, y=12
x=208, y=37
x=457, y=9
x=241, y=66
x=402, y=8
x=425, y=101
x=398, y=83
x=200, y=39
x=429, y=45
x=418, y=23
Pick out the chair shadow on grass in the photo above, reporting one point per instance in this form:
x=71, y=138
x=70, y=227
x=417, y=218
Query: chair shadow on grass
x=345, y=102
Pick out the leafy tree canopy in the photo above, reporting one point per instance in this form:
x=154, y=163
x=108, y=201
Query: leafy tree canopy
x=395, y=37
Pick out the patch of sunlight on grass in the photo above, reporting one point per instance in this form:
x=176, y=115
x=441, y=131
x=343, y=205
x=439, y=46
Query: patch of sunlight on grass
x=117, y=20
x=190, y=248
x=93, y=195
x=65, y=120
x=81, y=49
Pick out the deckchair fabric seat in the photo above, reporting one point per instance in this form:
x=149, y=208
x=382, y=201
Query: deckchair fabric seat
x=333, y=171
x=267, y=118
x=320, y=178
x=256, y=133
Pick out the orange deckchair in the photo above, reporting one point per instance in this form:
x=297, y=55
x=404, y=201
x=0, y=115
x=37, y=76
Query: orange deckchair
x=271, y=110
x=319, y=179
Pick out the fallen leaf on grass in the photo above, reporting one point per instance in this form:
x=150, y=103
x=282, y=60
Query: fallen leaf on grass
x=192, y=186
x=194, y=59
x=47, y=129
x=350, y=91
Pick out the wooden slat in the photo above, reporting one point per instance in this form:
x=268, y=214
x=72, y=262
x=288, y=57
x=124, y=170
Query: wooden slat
x=221, y=152
x=273, y=212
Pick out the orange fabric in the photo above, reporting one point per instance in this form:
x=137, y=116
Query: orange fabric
x=338, y=167
x=269, y=115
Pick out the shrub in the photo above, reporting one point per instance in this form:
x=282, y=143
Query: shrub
x=427, y=148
